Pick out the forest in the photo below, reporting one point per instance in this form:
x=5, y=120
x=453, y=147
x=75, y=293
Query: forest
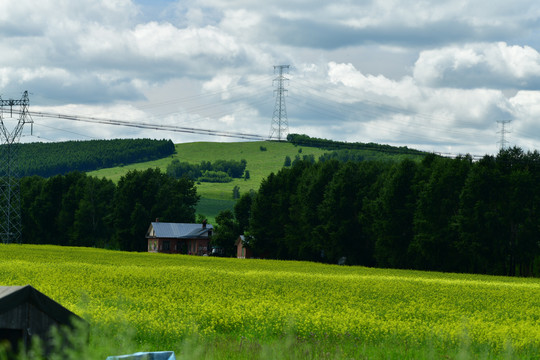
x=79, y=210
x=441, y=214
x=48, y=159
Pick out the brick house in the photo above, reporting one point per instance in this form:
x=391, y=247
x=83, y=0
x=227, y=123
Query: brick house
x=179, y=238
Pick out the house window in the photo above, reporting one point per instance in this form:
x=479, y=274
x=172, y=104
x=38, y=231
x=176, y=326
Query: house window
x=166, y=245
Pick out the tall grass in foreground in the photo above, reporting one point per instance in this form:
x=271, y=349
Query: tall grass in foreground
x=99, y=343
x=215, y=308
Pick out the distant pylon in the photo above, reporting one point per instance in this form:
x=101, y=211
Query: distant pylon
x=280, y=124
x=10, y=196
x=503, y=142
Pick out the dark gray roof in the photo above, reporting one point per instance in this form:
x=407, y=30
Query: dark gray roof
x=178, y=230
x=13, y=296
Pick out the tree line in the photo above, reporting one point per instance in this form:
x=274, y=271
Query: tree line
x=48, y=159
x=79, y=210
x=377, y=150
x=441, y=214
x=221, y=171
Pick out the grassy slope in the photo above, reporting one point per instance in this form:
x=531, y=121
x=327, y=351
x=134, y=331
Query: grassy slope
x=217, y=196
x=259, y=163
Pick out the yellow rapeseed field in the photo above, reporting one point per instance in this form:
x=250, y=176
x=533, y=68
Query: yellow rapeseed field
x=165, y=297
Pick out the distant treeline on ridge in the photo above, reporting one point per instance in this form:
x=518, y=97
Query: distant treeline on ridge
x=48, y=159
x=305, y=140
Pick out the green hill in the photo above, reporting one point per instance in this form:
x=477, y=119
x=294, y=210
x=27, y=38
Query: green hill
x=263, y=158
x=260, y=163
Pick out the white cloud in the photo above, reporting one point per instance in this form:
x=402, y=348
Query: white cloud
x=166, y=41
x=240, y=22
x=227, y=120
x=417, y=73
x=369, y=84
x=479, y=65
x=404, y=112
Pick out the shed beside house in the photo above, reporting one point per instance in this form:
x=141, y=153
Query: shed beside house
x=242, y=250
x=179, y=238
x=25, y=312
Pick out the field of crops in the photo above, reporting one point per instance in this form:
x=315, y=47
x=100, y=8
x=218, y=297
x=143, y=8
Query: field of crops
x=165, y=298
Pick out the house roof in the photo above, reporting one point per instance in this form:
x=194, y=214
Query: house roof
x=178, y=230
x=13, y=296
x=240, y=239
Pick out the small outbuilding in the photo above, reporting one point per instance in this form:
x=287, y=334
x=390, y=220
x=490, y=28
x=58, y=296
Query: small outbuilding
x=25, y=312
x=179, y=238
x=242, y=250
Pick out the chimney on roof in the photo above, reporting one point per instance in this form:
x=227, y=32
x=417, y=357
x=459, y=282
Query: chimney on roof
x=204, y=224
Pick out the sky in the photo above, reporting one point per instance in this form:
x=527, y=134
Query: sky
x=433, y=75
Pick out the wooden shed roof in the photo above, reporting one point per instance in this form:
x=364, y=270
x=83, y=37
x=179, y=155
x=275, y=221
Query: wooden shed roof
x=13, y=296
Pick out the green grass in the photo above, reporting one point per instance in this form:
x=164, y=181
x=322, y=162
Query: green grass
x=259, y=163
x=216, y=197
x=211, y=207
x=99, y=343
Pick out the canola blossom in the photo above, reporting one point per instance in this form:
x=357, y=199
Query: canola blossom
x=165, y=297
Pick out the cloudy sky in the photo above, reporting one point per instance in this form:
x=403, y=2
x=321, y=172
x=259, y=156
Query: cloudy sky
x=434, y=75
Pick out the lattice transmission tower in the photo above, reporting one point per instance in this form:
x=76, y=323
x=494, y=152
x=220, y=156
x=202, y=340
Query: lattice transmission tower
x=280, y=124
x=503, y=142
x=10, y=196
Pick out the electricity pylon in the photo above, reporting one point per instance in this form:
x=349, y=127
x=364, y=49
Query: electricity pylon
x=503, y=142
x=280, y=125
x=10, y=196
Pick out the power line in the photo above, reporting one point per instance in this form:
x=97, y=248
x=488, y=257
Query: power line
x=330, y=103
x=64, y=130
x=325, y=103
x=143, y=125
x=199, y=131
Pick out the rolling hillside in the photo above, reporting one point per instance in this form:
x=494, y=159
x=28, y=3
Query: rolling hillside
x=262, y=159
x=260, y=163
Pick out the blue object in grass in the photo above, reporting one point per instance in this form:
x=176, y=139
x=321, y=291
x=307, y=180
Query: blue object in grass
x=157, y=355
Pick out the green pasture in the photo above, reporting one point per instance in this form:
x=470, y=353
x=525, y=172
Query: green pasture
x=259, y=164
x=211, y=207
